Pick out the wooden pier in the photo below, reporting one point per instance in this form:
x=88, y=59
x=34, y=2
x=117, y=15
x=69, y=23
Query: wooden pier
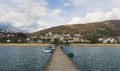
x=59, y=61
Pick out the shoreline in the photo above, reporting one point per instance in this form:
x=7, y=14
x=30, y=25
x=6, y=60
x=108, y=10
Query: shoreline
x=25, y=44
x=95, y=44
x=46, y=44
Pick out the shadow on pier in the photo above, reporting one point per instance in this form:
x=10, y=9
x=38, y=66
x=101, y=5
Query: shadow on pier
x=59, y=61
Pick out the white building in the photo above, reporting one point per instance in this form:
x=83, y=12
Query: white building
x=8, y=41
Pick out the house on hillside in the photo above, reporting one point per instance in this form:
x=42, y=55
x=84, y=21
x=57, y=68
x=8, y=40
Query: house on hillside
x=84, y=40
x=77, y=35
x=76, y=39
x=8, y=41
x=110, y=40
x=32, y=38
x=115, y=39
x=28, y=39
x=105, y=40
x=71, y=40
x=40, y=41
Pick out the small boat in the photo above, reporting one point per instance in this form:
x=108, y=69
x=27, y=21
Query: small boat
x=53, y=48
x=48, y=50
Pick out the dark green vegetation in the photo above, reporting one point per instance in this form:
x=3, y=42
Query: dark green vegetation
x=58, y=42
x=13, y=38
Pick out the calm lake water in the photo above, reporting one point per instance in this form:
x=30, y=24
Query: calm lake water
x=22, y=58
x=96, y=58
x=87, y=58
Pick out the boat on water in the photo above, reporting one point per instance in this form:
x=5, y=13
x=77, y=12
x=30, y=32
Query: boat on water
x=49, y=49
x=52, y=47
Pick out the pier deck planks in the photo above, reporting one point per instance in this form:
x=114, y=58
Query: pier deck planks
x=59, y=61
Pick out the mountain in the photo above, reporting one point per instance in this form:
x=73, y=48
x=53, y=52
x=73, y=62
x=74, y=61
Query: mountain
x=105, y=27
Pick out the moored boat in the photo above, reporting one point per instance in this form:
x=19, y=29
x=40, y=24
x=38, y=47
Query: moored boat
x=49, y=49
x=52, y=48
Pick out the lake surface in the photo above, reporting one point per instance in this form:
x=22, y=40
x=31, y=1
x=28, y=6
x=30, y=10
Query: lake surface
x=22, y=58
x=96, y=58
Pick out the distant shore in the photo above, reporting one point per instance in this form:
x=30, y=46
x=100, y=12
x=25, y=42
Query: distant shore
x=41, y=44
x=94, y=44
x=24, y=44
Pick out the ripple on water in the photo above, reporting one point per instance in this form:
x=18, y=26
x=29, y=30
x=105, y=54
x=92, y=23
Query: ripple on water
x=96, y=58
x=26, y=58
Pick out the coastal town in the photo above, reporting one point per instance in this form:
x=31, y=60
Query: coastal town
x=17, y=37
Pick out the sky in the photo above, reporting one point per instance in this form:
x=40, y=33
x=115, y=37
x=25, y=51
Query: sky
x=35, y=15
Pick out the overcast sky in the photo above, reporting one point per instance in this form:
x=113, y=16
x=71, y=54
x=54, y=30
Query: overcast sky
x=34, y=15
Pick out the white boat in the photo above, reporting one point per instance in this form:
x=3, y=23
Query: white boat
x=47, y=51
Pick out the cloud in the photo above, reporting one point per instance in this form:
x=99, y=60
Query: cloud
x=78, y=2
x=34, y=15
x=55, y=12
x=97, y=17
x=23, y=14
x=67, y=4
x=39, y=25
x=75, y=20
